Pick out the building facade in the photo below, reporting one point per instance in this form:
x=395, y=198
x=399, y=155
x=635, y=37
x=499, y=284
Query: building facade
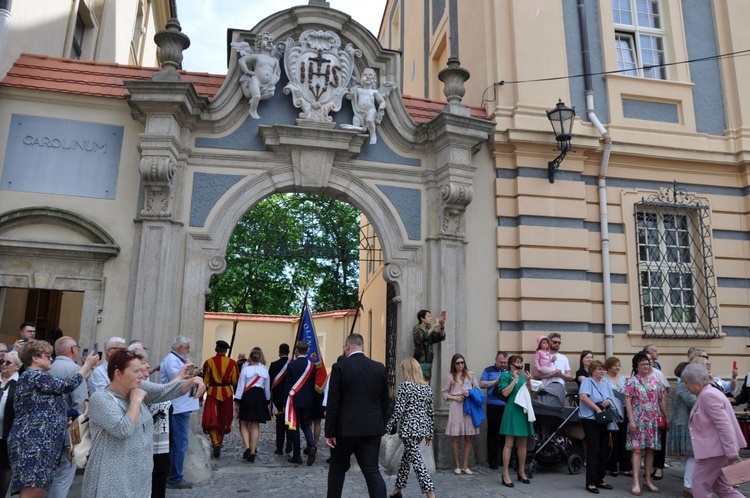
x=643, y=236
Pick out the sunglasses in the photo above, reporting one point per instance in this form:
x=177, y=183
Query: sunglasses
x=460, y=363
x=556, y=342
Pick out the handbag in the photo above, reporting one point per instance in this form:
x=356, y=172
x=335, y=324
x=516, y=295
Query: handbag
x=603, y=417
x=81, y=443
x=661, y=422
x=737, y=473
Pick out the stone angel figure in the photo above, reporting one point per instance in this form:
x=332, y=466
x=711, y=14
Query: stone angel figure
x=260, y=68
x=368, y=103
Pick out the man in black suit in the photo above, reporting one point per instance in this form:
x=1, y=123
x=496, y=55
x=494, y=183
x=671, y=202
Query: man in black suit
x=277, y=372
x=355, y=418
x=300, y=384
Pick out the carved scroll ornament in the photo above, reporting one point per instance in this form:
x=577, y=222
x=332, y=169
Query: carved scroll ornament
x=157, y=175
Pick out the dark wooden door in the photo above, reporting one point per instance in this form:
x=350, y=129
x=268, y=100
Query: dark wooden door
x=43, y=309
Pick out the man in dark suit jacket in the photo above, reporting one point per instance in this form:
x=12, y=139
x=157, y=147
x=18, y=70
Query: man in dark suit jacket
x=355, y=418
x=277, y=373
x=302, y=401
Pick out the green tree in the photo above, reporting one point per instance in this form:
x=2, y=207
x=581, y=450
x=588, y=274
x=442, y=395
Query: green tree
x=284, y=246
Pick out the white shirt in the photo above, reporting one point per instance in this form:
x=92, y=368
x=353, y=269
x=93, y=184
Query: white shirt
x=663, y=382
x=246, y=377
x=99, y=379
x=562, y=364
x=168, y=370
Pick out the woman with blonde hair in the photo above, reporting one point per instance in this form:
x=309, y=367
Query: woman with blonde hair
x=455, y=390
x=413, y=415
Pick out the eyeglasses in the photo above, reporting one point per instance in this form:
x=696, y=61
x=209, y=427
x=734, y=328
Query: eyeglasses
x=6, y=363
x=3, y=351
x=47, y=355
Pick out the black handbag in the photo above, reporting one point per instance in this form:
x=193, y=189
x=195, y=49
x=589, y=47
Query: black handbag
x=603, y=417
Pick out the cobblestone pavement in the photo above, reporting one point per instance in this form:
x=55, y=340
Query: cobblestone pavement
x=272, y=475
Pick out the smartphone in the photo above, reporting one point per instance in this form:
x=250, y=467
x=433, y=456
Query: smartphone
x=85, y=352
x=442, y=314
x=193, y=390
x=527, y=367
x=734, y=365
x=96, y=347
x=99, y=353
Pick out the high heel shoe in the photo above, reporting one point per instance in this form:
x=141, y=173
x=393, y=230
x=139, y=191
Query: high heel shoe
x=508, y=484
x=397, y=495
x=525, y=481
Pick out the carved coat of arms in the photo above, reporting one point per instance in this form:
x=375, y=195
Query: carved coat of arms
x=319, y=71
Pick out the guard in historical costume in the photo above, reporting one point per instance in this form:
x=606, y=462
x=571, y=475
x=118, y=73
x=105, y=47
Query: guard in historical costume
x=220, y=377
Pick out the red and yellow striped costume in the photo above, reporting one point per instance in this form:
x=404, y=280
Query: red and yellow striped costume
x=220, y=377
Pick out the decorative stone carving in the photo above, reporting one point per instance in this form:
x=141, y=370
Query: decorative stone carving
x=455, y=197
x=171, y=42
x=368, y=103
x=454, y=77
x=260, y=68
x=319, y=73
x=157, y=175
x=392, y=272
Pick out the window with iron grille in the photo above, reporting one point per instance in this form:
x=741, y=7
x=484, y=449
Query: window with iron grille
x=675, y=266
x=639, y=38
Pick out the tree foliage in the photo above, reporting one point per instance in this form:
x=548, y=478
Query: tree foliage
x=285, y=246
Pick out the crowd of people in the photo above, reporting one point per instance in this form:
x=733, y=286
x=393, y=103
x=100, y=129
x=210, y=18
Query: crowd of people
x=140, y=429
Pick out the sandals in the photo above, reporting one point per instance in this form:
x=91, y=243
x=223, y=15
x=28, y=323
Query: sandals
x=650, y=487
x=636, y=491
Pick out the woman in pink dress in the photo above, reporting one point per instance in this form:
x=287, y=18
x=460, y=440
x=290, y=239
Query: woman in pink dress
x=455, y=390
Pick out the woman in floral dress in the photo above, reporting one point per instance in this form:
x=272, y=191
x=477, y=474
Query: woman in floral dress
x=644, y=402
x=40, y=420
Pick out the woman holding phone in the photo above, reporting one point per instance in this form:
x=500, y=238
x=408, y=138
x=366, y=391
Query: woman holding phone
x=515, y=424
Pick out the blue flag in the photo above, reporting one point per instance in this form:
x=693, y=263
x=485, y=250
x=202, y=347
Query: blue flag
x=306, y=332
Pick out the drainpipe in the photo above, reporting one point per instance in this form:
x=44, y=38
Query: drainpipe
x=4, y=22
x=603, y=216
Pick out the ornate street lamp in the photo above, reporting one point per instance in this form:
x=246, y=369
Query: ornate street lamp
x=562, y=118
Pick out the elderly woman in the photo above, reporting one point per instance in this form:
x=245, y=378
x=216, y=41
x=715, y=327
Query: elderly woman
x=619, y=458
x=122, y=427
x=413, y=415
x=717, y=437
x=9, y=367
x=644, y=402
x=680, y=443
x=595, y=395
x=41, y=419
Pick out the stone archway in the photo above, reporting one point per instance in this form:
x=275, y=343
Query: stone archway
x=205, y=163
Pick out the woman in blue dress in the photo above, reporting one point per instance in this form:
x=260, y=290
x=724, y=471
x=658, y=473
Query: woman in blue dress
x=515, y=424
x=36, y=439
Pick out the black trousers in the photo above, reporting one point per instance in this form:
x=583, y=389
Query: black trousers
x=597, y=450
x=281, y=432
x=160, y=475
x=366, y=449
x=303, y=424
x=495, y=440
x=660, y=454
x=620, y=459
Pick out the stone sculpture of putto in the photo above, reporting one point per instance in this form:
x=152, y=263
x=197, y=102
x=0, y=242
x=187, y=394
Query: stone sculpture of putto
x=368, y=103
x=261, y=70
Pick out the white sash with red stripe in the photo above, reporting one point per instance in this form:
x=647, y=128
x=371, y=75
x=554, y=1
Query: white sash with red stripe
x=276, y=381
x=290, y=415
x=251, y=384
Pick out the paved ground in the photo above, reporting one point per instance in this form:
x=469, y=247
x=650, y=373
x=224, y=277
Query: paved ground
x=271, y=475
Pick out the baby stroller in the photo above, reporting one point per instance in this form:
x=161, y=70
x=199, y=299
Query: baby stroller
x=564, y=444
